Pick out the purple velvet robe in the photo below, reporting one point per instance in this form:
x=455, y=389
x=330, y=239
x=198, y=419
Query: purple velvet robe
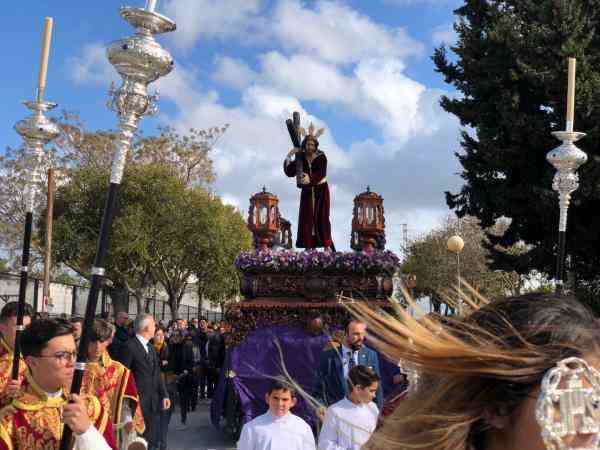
x=314, y=227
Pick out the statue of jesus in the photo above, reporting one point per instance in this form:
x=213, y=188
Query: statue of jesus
x=314, y=228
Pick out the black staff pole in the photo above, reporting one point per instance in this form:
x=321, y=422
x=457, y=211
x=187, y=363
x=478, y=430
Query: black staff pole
x=139, y=60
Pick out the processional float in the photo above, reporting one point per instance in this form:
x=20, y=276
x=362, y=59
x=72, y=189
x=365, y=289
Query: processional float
x=139, y=60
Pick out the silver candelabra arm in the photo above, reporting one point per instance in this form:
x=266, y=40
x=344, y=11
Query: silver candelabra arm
x=566, y=159
x=37, y=131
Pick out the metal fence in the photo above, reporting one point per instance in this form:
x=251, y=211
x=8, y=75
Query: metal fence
x=71, y=299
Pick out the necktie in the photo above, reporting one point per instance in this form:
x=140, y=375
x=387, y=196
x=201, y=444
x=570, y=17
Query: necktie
x=351, y=361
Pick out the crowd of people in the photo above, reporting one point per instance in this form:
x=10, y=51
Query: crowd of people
x=515, y=373
x=479, y=379
x=136, y=370
x=188, y=360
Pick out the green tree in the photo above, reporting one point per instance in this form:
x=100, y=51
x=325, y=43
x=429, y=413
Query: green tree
x=509, y=66
x=218, y=280
x=435, y=267
x=161, y=230
x=186, y=154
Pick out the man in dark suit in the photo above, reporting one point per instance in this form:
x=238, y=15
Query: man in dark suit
x=116, y=349
x=215, y=356
x=141, y=358
x=335, y=363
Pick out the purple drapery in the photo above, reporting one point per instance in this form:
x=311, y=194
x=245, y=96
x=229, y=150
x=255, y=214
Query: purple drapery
x=256, y=360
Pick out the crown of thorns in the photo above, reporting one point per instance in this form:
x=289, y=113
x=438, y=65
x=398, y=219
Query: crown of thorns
x=311, y=132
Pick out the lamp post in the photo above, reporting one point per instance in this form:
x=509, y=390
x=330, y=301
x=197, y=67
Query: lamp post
x=139, y=60
x=456, y=245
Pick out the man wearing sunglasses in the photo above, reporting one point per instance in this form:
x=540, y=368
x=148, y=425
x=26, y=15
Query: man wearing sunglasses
x=8, y=329
x=34, y=420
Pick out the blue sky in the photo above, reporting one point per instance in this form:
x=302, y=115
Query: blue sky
x=361, y=68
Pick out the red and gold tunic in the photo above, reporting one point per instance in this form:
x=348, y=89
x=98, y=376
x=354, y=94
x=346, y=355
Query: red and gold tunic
x=6, y=362
x=33, y=420
x=113, y=383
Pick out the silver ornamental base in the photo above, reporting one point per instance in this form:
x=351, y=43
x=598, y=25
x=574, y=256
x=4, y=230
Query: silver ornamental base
x=567, y=409
x=37, y=131
x=566, y=159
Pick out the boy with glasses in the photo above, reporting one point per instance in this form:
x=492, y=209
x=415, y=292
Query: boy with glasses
x=34, y=420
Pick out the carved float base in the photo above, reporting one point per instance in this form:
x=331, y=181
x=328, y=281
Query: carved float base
x=315, y=286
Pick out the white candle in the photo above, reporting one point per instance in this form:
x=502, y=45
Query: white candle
x=44, y=57
x=571, y=94
x=151, y=5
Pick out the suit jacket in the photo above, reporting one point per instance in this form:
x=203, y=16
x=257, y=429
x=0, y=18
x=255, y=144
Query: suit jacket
x=117, y=348
x=145, y=367
x=215, y=350
x=331, y=385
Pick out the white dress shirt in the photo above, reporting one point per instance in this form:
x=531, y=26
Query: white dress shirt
x=143, y=341
x=347, y=425
x=348, y=353
x=268, y=432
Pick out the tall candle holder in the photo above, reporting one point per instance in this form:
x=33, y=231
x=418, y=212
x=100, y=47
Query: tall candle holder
x=566, y=159
x=139, y=60
x=37, y=131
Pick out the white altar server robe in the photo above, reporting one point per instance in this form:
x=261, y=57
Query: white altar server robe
x=347, y=426
x=268, y=432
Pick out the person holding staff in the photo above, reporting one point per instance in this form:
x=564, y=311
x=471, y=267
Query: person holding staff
x=35, y=418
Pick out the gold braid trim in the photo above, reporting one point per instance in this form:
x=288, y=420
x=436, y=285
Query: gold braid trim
x=5, y=437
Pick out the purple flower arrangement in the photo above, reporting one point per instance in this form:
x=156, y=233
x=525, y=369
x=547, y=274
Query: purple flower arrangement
x=289, y=261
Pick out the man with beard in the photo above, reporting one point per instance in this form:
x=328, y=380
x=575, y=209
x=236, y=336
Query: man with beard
x=8, y=329
x=35, y=418
x=335, y=364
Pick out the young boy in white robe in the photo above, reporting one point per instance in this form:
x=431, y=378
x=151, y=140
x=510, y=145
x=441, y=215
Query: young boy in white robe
x=278, y=428
x=349, y=423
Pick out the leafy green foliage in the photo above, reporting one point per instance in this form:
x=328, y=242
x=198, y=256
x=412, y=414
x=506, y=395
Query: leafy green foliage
x=510, y=68
x=163, y=231
x=436, y=268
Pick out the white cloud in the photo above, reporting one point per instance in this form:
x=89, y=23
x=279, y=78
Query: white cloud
x=233, y=72
x=92, y=66
x=336, y=57
x=308, y=78
x=221, y=20
x=444, y=34
x=337, y=33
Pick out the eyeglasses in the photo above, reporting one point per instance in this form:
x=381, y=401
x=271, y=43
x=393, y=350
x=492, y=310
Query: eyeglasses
x=61, y=357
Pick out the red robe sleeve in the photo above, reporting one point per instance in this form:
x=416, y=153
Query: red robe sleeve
x=319, y=169
x=289, y=169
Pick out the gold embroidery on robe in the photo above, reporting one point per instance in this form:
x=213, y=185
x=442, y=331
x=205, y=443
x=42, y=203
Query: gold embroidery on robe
x=6, y=362
x=113, y=383
x=33, y=420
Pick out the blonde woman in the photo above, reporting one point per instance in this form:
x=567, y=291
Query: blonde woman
x=480, y=377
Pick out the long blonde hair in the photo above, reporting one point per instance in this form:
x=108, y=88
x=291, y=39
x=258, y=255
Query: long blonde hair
x=485, y=364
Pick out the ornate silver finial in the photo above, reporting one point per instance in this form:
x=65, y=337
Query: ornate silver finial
x=140, y=60
x=568, y=406
x=566, y=159
x=37, y=131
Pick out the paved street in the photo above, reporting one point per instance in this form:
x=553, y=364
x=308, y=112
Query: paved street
x=199, y=435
